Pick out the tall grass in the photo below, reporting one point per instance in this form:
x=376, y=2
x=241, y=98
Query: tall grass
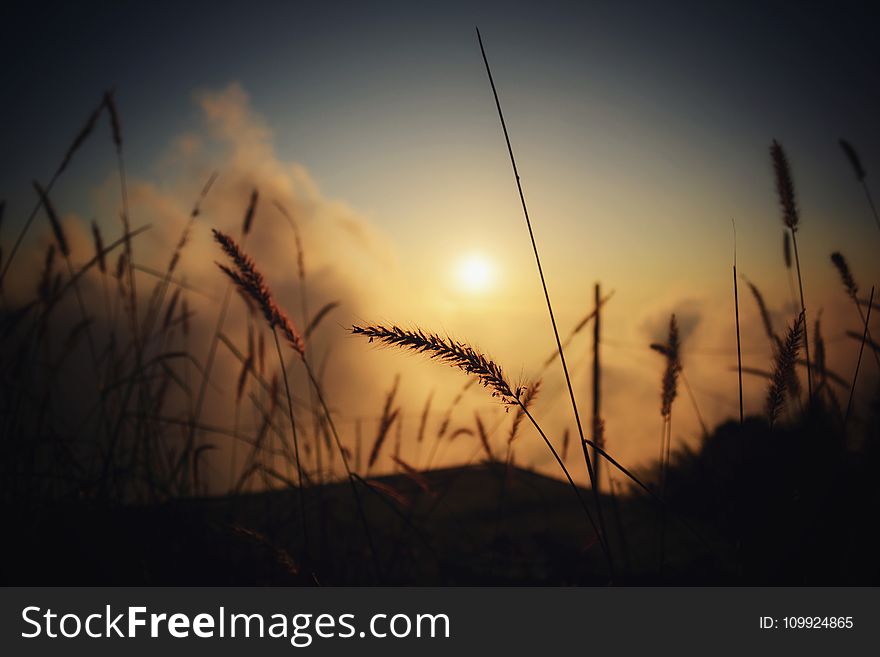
x=852, y=390
x=791, y=218
x=783, y=369
x=594, y=484
x=596, y=377
x=859, y=170
x=249, y=280
x=852, y=291
x=668, y=392
x=483, y=370
x=739, y=363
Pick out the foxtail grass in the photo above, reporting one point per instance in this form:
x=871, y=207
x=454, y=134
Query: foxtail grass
x=249, y=280
x=85, y=131
x=859, y=170
x=483, y=370
x=852, y=291
x=390, y=415
x=791, y=218
x=64, y=248
x=783, y=369
x=764, y=313
x=423, y=422
x=668, y=393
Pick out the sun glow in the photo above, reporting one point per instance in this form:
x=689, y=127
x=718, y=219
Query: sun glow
x=474, y=273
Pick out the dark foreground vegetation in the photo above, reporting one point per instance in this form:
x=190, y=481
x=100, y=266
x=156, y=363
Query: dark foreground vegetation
x=791, y=506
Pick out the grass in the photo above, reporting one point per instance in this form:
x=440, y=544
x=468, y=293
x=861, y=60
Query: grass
x=594, y=483
x=143, y=441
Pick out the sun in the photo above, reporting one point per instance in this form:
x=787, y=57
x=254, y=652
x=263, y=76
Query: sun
x=474, y=273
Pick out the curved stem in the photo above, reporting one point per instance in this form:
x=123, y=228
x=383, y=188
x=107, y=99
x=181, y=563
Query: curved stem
x=594, y=484
x=299, y=473
x=351, y=476
x=797, y=261
x=859, y=361
x=605, y=549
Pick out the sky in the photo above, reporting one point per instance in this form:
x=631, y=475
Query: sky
x=640, y=130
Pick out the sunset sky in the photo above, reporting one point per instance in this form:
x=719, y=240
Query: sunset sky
x=640, y=129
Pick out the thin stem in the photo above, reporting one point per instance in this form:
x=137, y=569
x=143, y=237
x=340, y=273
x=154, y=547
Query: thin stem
x=23, y=232
x=693, y=399
x=662, y=502
x=865, y=322
x=797, y=261
x=299, y=473
x=597, y=377
x=93, y=352
x=739, y=360
x=209, y=364
x=574, y=486
x=859, y=361
x=871, y=202
x=126, y=220
x=667, y=440
x=351, y=476
x=591, y=474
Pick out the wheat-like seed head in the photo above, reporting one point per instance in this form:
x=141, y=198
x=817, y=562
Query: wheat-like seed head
x=300, y=257
x=854, y=159
x=389, y=417
x=528, y=399
x=783, y=369
x=846, y=276
x=53, y=219
x=110, y=104
x=784, y=185
x=250, y=281
x=765, y=314
x=197, y=208
x=44, y=287
x=423, y=422
x=672, y=351
x=414, y=475
x=82, y=135
x=447, y=350
x=483, y=436
x=249, y=214
x=99, y=248
x=120, y=266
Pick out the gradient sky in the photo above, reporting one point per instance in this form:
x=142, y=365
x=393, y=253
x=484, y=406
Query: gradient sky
x=659, y=115
x=641, y=129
